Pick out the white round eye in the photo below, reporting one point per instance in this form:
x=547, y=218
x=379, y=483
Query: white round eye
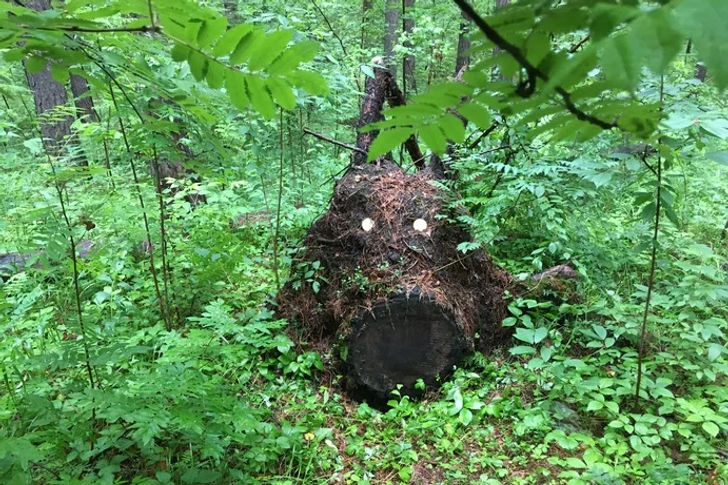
x=419, y=225
x=367, y=224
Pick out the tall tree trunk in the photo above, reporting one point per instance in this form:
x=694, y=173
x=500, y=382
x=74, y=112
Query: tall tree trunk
x=49, y=94
x=462, y=61
x=231, y=11
x=408, y=63
x=391, y=18
x=81, y=99
x=366, y=6
x=701, y=72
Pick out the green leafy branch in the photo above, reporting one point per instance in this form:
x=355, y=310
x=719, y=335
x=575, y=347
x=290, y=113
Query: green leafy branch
x=253, y=66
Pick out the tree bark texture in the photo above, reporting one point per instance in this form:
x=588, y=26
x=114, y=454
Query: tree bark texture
x=48, y=94
x=409, y=82
x=382, y=87
x=82, y=98
x=391, y=19
x=462, y=61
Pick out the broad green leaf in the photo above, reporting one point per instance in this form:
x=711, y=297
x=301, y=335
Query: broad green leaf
x=236, y=88
x=414, y=110
x=230, y=40
x=434, y=138
x=35, y=64
x=457, y=398
x=594, y=406
x=540, y=334
x=311, y=82
x=453, y=127
x=718, y=157
x=573, y=462
x=174, y=24
x=465, y=416
x=293, y=57
x=537, y=47
x=522, y=350
x=260, y=98
x=606, y=16
x=60, y=73
x=524, y=334
x=282, y=92
x=198, y=64
x=622, y=62
x=704, y=21
x=215, y=75
x=268, y=49
x=387, y=140
x=180, y=52
x=14, y=55
x=655, y=35
x=711, y=428
x=192, y=29
x=716, y=127
x=211, y=30
x=714, y=351
x=245, y=46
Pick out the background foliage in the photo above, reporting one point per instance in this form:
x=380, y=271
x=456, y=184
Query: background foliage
x=199, y=383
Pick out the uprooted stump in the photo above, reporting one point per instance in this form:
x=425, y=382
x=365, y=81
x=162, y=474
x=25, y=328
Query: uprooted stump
x=390, y=284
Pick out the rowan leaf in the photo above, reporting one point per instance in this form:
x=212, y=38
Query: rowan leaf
x=211, y=29
x=282, y=92
x=387, y=140
x=198, y=64
x=236, y=88
x=245, y=46
x=265, y=51
x=215, y=75
x=704, y=22
x=453, y=127
x=260, y=98
x=434, y=138
x=230, y=40
x=293, y=57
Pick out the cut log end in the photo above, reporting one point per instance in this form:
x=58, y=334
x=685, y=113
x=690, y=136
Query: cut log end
x=401, y=340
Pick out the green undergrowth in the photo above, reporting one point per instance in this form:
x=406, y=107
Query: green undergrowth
x=227, y=397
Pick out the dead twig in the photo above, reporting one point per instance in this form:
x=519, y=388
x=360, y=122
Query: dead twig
x=334, y=142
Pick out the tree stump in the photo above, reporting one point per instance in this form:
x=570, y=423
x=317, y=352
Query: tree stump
x=403, y=339
x=381, y=275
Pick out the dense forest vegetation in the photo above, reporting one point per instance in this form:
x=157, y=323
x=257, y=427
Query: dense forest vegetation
x=215, y=214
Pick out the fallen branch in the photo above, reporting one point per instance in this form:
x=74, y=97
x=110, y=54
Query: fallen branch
x=334, y=142
x=578, y=45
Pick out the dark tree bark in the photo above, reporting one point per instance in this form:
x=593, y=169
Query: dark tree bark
x=701, y=72
x=409, y=82
x=462, y=61
x=82, y=99
x=48, y=94
x=366, y=6
x=231, y=11
x=382, y=87
x=391, y=19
